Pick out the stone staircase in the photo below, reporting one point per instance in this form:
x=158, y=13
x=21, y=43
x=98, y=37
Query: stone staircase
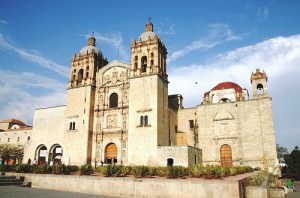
x=10, y=180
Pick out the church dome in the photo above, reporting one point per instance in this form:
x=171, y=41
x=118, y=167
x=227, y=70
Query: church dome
x=91, y=47
x=228, y=85
x=144, y=36
x=148, y=33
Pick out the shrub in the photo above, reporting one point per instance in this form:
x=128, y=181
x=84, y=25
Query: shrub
x=161, y=171
x=140, y=171
x=107, y=171
x=177, y=171
x=125, y=170
x=219, y=171
x=258, y=178
x=233, y=171
x=42, y=169
x=8, y=167
x=197, y=170
x=24, y=168
x=86, y=169
x=68, y=169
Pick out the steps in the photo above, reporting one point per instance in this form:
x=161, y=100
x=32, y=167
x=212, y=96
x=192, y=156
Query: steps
x=10, y=181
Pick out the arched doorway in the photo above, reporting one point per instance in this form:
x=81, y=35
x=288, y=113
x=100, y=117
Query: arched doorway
x=55, y=154
x=111, y=153
x=226, y=155
x=41, y=154
x=170, y=161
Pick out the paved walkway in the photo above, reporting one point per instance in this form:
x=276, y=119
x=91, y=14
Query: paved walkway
x=297, y=193
x=25, y=192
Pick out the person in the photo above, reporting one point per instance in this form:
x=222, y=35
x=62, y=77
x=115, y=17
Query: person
x=29, y=161
x=281, y=185
x=290, y=184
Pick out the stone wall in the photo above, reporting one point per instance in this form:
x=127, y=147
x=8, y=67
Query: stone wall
x=146, y=187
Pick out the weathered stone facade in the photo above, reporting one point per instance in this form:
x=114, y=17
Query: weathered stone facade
x=121, y=113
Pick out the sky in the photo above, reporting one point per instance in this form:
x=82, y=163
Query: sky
x=208, y=42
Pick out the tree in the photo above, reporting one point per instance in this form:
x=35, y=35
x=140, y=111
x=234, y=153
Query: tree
x=8, y=152
x=281, y=152
x=293, y=162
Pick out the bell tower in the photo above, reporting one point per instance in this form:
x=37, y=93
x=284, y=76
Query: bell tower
x=148, y=99
x=79, y=112
x=259, y=84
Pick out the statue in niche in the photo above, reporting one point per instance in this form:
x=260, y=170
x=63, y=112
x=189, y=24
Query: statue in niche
x=125, y=96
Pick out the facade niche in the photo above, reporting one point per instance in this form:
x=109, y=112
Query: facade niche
x=113, y=100
x=144, y=63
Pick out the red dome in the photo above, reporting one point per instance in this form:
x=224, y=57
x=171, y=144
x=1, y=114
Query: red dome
x=226, y=85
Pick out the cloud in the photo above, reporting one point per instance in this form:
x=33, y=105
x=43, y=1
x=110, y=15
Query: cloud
x=17, y=98
x=3, y=22
x=263, y=13
x=165, y=29
x=34, y=56
x=279, y=57
x=114, y=40
x=218, y=33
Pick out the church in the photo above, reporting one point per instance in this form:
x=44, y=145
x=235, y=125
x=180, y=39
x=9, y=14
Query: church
x=121, y=113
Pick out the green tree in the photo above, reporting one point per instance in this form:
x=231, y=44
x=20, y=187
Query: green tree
x=293, y=163
x=8, y=152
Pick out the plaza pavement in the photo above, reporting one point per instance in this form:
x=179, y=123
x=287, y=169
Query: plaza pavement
x=25, y=192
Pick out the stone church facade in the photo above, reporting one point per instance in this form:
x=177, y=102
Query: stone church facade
x=121, y=113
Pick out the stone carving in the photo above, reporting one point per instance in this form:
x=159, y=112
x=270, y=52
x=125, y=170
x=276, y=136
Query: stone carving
x=112, y=121
x=114, y=77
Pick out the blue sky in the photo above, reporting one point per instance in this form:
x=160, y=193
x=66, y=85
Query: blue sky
x=208, y=42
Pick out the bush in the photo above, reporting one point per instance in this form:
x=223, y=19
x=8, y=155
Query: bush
x=126, y=170
x=8, y=167
x=42, y=169
x=258, y=178
x=177, y=171
x=161, y=171
x=220, y=171
x=197, y=170
x=86, y=169
x=24, y=168
x=140, y=171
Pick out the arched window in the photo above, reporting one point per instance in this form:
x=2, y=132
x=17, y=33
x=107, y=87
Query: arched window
x=113, y=100
x=80, y=75
x=260, y=89
x=28, y=138
x=226, y=155
x=87, y=74
x=145, y=120
x=141, y=120
x=144, y=63
x=73, y=126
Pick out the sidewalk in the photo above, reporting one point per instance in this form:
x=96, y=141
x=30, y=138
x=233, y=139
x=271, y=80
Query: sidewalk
x=25, y=192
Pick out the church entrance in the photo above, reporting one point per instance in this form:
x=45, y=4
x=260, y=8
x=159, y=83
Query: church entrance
x=226, y=155
x=111, y=153
x=55, y=154
x=41, y=154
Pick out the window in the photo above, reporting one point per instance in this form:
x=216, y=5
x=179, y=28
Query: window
x=144, y=64
x=8, y=139
x=191, y=122
x=146, y=120
x=18, y=140
x=260, y=89
x=73, y=126
x=80, y=75
x=28, y=138
x=70, y=128
x=113, y=100
x=170, y=161
x=141, y=120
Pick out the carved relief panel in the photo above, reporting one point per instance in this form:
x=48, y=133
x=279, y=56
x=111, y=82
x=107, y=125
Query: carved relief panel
x=112, y=121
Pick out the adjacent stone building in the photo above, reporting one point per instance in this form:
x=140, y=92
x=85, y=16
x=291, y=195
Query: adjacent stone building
x=121, y=113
